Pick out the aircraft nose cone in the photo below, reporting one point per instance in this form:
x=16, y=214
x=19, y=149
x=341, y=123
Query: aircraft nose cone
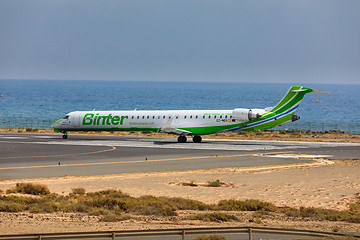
x=55, y=124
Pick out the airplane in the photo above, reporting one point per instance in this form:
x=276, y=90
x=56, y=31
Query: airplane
x=186, y=122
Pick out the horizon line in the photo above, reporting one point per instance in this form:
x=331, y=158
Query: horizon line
x=169, y=81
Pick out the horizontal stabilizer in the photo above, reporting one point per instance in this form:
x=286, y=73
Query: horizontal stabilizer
x=319, y=91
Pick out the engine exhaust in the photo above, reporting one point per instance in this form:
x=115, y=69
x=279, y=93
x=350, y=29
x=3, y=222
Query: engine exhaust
x=295, y=118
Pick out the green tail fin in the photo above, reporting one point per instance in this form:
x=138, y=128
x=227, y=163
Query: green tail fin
x=291, y=100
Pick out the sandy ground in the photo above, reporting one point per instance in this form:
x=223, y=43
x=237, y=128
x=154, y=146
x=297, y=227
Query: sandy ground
x=326, y=185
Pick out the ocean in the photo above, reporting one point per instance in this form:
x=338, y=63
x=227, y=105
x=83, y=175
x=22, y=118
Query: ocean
x=38, y=103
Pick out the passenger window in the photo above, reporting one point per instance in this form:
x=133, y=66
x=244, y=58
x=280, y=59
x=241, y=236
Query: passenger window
x=153, y=117
x=215, y=117
x=220, y=116
x=148, y=117
x=225, y=116
x=143, y=117
x=190, y=117
x=132, y=117
x=177, y=117
x=163, y=117
x=184, y=117
x=209, y=116
x=196, y=116
x=138, y=117
x=203, y=116
x=230, y=116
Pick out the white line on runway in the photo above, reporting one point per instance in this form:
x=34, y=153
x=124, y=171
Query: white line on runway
x=208, y=144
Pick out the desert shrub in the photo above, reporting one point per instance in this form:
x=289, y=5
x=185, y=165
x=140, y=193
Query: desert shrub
x=49, y=207
x=99, y=212
x=211, y=237
x=191, y=184
x=80, y=207
x=107, y=202
x=355, y=218
x=35, y=209
x=11, y=190
x=318, y=214
x=296, y=134
x=11, y=207
x=242, y=133
x=188, y=204
x=216, y=183
x=156, y=209
x=109, y=193
x=355, y=208
x=111, y=204
x=45, y=207
x=30, y=188
x=214, y=217
x=20, y=200
x=78, y=191
x=150, y=205
x=246, y=205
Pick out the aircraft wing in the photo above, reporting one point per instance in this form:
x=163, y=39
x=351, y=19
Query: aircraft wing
x=168, y=129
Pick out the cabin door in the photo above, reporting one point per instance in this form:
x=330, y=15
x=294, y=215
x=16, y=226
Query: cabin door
x=77, y=120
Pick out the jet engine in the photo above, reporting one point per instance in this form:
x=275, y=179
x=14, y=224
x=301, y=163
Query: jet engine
x=243, y=114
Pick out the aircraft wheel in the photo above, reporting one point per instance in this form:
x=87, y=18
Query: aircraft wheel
x=182, y=139
x=197, y=139
x=64, y=136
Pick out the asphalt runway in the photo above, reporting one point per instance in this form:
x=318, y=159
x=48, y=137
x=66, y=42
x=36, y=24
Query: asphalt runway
x=48, y=155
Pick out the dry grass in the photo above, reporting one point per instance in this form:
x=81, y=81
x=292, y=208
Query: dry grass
x=113, y=205
x=246, y=205
x=215, y=183
x=30, y=188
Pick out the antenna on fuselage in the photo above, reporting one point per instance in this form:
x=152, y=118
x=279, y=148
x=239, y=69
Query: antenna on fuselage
x=135, y=109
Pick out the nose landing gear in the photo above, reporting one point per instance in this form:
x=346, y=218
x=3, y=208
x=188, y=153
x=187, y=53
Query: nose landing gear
x=65, y=135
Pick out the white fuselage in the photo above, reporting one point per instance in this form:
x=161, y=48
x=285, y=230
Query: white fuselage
x=144, y=119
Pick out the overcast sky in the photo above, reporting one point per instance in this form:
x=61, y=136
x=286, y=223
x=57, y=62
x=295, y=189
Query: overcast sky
x=293, y=41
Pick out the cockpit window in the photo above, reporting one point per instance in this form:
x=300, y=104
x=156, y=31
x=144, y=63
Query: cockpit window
x=66, y=117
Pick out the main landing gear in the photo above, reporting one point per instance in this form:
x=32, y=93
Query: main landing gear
x=65, y=135
x=196, y=139
x=182, y=139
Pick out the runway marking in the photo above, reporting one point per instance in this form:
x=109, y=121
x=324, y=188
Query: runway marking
x=112, y=148
x=300, y=156
x=140, y=161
